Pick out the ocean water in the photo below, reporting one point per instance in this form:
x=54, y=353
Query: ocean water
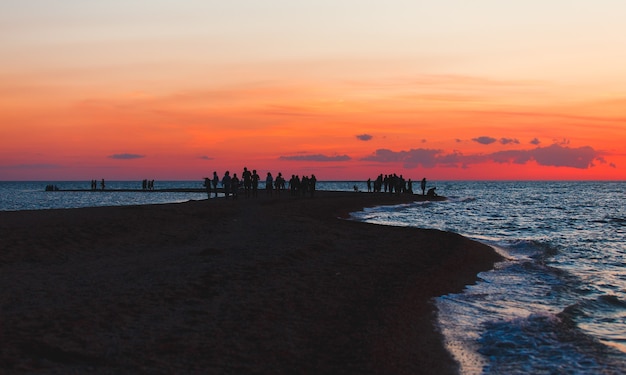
x=31, y=195
x=557, y=304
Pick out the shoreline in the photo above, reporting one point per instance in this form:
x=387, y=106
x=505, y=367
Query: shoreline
x=259, y=285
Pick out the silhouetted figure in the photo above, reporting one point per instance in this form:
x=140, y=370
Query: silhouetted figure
x=216, y=180
x=247, y=181
x=102, y=185
x=369, y=185
x=207, y=186
x=269, y=184
x=255, y=183
x=431, y=192
x=144, y=184
x=423, y=186
x=378, y=184
x=234, y=186
x=279, y=183
x=226, y=184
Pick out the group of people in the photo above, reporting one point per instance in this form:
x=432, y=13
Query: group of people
x=393, y=183
x=249, y=182
x=147, y=184
x=94, y=184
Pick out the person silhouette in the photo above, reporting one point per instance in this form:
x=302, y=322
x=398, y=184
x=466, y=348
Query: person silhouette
x=247, y=181
x=216, y=181
x=269, y=184
x=255, y=183
x=207, y=186
x=423, y=186
x=226, y=184
x=234, y=186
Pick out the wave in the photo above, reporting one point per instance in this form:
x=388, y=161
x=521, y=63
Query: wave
x=553, y=342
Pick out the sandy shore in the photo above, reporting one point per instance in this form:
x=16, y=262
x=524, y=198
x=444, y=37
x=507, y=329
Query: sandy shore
x=267, y=286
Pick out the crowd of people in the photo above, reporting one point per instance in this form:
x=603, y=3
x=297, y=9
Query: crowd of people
x=249, y=182
x=393, y=183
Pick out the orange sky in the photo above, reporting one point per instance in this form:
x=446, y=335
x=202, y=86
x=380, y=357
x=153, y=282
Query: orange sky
x=161, y=91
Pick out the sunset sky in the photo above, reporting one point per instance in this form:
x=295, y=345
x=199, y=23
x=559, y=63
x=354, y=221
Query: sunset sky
x=344, y=89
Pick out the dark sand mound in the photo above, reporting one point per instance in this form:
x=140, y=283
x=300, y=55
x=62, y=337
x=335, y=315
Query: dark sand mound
x=266, y=285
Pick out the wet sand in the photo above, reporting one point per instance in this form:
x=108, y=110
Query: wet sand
x=254, y=286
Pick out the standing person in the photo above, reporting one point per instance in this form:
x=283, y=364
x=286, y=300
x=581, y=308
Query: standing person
x=234, y=186
x=102, y=184
x=369, y=185
x=423, y=186
x=269, y=184
x=255, y=183
x=216, y=180
x=226, y=183
x=207, y=186
x=247, y=181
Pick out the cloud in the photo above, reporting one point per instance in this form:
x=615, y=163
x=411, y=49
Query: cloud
x=552, y=156
x=558, y=156
x=316, y=157
x=484, y=140
x=126, y=156
x=364, y=137
x=410, y=159
x=506, y=141
x=204, y=157
x=535, y=142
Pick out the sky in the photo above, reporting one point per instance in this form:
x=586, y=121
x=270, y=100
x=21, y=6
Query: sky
x=343, y=89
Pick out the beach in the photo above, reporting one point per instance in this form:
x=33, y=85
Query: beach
x=267, y=285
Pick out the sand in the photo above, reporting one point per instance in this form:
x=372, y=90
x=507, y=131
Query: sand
x=253, y=286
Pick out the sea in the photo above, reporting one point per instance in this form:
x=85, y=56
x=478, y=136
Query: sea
x=555, y=305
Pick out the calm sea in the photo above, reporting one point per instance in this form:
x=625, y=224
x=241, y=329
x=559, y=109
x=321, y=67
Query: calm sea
x=16, y=196
x=557, y=305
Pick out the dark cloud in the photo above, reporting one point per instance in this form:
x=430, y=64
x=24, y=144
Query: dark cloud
x=484, y=140
x=413, y=158
x=316, y=157
x=506, y=141
x=126, y=156
x=364, y=137
x=204, y=157
x=535, y=142
x=558, y=156
x=552, y=156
